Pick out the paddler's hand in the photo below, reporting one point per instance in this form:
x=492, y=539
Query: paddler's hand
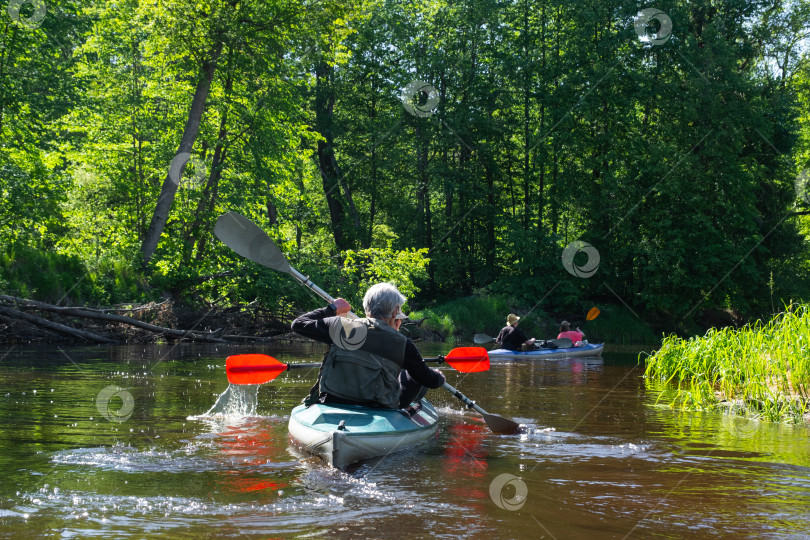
x=341, y=306
x=441, y=374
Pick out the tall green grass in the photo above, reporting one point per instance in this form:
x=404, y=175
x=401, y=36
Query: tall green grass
x=37, y=274
x=761, y=370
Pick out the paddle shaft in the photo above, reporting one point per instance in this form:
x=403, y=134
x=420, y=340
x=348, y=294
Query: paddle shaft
x=306, y=282
x=261, y=368
x=464, y=399
x=496, y=423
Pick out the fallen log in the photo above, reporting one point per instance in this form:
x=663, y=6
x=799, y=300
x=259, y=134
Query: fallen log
x=97, y=315
x=60, y=328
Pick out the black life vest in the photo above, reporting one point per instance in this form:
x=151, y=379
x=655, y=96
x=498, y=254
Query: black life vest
x=363, y=362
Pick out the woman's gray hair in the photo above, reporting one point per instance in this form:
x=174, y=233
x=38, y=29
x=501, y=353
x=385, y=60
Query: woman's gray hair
x=381, y=300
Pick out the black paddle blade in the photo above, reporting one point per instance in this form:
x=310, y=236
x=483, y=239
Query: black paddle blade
x=501, y=425
x=248, y=240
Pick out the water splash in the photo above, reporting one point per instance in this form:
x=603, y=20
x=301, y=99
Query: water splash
x=237, y=401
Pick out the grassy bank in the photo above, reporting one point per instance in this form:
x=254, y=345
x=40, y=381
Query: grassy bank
x=460, y=319
x=761, y=370
x=59, y=278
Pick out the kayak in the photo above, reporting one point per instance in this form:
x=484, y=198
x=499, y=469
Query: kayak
x=344, y=434
x=591, y=349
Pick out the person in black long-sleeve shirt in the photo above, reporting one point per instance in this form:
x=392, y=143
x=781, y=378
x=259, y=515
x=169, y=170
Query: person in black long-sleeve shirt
x=511, y=337
x=369, y=362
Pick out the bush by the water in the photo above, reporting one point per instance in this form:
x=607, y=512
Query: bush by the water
x=761, y=370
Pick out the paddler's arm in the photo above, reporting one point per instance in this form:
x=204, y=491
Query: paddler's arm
x=416, y=368
x=314, y=324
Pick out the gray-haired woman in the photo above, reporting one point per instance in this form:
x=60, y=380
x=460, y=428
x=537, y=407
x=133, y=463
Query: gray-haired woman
x=368, y=362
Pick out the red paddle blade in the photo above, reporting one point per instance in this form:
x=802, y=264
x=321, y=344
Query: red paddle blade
x=592, y=314
x=468, y=359
x=253, y=368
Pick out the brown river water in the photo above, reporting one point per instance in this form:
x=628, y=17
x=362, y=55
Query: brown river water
x=113, y=442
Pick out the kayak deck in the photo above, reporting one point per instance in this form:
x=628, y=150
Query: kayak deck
x=591, y=349
x=344, y=434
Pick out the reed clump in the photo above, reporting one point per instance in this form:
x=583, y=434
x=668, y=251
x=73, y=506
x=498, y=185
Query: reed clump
x=761, y=370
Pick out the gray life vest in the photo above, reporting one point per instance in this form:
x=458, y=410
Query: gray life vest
x=363, y=362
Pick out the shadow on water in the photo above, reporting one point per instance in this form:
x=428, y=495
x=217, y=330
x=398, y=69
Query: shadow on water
x=116, y=441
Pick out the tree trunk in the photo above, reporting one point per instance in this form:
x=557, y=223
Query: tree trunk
x=491, y=213
x=56, y=327
x=423, y=226
x=197, y=233
x=542, y=187
x=526, y=119
x=192, y=128
x=327, y=163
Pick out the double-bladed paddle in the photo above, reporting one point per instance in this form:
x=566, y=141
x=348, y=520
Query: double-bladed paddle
x=248, y=240
x=561, y=343
x=261, y=368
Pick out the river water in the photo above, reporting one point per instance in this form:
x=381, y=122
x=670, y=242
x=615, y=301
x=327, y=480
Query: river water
x=113, y=442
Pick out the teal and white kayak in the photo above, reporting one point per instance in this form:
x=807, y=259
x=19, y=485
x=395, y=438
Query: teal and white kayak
x=345, y=434
x=590, y=349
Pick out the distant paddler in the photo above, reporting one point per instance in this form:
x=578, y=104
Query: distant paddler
x=576, y=336
x=511, y=337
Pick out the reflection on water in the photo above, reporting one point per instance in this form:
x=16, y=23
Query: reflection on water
x=599, y=458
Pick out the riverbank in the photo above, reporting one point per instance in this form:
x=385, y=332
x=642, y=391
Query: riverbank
x=761, y=370
x=30, y=321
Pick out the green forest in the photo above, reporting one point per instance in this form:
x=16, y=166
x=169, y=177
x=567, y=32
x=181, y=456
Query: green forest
x=534, y=156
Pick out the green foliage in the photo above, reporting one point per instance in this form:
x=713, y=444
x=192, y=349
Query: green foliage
x=460, y=319
x=66, y=280
x=553, y=123
x=761, y=370
x=364, y=268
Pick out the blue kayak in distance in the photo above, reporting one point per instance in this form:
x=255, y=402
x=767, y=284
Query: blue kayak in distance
x=344, y=434
x=591, y=349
